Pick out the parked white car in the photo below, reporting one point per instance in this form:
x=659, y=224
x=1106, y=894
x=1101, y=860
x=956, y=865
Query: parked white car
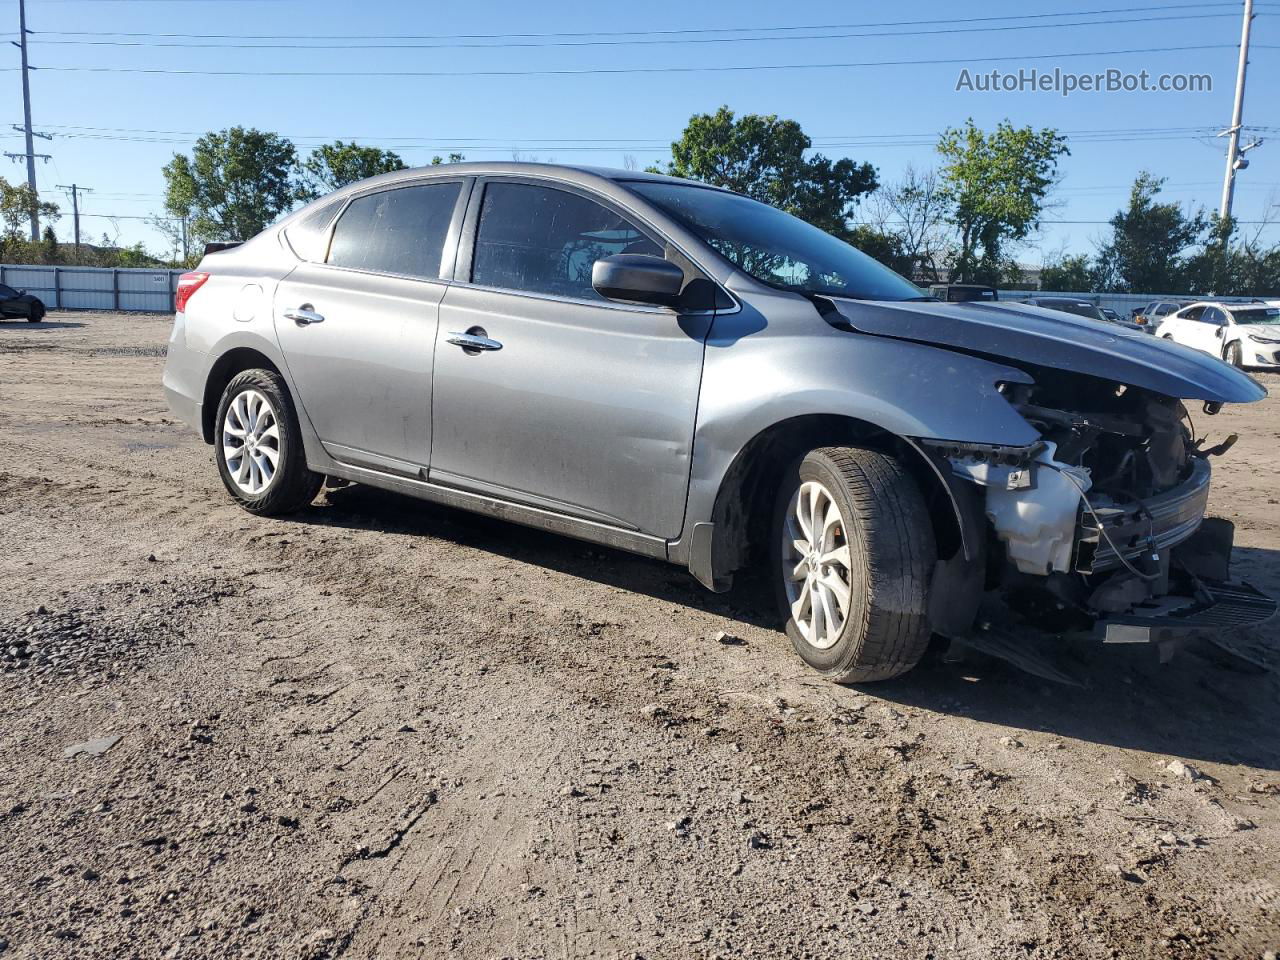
x=1243, y=334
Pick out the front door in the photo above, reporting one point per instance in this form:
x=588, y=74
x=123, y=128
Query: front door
x=575, y=404
x=358, y=331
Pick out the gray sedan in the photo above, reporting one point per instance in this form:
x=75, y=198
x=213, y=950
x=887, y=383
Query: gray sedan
x=685, y=373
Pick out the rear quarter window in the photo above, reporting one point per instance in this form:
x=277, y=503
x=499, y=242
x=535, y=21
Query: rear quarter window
x=309, y=234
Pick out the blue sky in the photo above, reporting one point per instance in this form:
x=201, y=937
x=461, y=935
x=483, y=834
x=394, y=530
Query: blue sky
x=113, y=131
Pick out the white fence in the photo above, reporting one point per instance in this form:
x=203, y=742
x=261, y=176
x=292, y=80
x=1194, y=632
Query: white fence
x=1121, y=303
x=95, y=288
x=151, y=291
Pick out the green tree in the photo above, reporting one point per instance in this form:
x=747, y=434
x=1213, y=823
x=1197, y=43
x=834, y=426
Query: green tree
x=913, y=211
x=235, y=183
x=452, y=158
x=337, y=164
x=1224, y=265
x=15, y=220
x=883, y=245
x=1148, y=242
x=1069, y=274
x=764, y=158
x=995, y=185
x=48, y=245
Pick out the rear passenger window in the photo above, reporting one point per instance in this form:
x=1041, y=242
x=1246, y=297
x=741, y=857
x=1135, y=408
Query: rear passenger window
x=399, y=231
x=541, y=240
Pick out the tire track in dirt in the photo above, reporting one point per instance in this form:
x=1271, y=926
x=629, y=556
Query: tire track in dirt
x=729, y=802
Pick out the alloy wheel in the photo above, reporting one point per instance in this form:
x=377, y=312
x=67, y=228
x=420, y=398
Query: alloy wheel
x=816, y=564
x=251, y=441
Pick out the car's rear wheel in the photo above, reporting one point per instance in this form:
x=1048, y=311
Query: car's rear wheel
x=36, y=314
x=1233, y=355
x=854, y=553
x=259, y=447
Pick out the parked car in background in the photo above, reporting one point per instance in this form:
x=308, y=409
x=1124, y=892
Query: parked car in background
x=962, y=292
x=682, y=372
x=1155, y=311
x=1084, y=308
x=1081, y=308
x=1243, y=334
x=18, y=304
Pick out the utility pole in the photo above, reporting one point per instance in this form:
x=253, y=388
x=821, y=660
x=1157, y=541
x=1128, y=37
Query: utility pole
x=74, y=192
x=26, y=116
x=1235, y=153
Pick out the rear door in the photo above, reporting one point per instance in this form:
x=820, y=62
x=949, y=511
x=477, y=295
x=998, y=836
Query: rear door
x=1182, y=326
x=358, y=328
x=1212, y=326
x=580, y=405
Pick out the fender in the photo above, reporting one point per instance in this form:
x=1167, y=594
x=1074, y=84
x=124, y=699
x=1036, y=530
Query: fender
x=260, y=337
x=759, y=374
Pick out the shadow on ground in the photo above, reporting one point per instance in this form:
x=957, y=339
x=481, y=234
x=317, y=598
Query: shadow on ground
x=28, y=327
x=1195, y=707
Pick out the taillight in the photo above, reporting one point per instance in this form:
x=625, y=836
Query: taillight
x=188, y=284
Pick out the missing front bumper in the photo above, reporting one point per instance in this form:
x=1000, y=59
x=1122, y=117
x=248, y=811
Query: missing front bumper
x=1217, y=607
x=1154, y=524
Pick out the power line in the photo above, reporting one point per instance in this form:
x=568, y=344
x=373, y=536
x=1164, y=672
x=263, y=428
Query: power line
x=666, y=41
x=745, y=68
x=506, y=139
x=645, y=33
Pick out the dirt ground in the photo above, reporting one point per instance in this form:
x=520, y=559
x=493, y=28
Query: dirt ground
x=386, y=729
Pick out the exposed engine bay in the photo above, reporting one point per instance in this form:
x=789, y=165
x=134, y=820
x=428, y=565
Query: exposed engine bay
x=1102, y=519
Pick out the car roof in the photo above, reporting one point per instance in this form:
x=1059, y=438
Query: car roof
x=574, y=173
x=1071, y=300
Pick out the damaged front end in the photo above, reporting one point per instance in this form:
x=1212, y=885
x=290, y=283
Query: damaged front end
x=1098, y=528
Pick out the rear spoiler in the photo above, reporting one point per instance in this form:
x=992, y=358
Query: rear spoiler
x=221, y=245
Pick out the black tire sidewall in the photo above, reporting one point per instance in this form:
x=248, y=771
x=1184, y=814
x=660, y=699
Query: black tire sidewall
x=836, y=658
x=1235, y=355
x=292, y=469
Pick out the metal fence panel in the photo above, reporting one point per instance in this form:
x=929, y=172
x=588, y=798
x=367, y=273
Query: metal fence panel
x=1121, y=303
x=151, y=291
x=95, y=288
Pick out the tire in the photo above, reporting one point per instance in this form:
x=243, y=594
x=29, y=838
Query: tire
x=36, y=315
x=1232, y=354
x=257, y=402
x=883, y=521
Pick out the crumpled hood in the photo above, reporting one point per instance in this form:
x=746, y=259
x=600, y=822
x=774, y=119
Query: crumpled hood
x=1062, y=341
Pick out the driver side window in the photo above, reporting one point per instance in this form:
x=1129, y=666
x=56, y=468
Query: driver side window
x=542, y=240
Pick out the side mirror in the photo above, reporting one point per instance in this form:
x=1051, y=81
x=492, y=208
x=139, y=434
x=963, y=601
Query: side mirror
x=637, y=278
x=1218, y=333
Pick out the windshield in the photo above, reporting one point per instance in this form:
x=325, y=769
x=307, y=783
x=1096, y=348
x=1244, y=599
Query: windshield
x=775, y=247
x=1257, y=315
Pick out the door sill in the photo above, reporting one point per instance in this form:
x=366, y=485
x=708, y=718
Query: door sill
x=552, y=521
x=455, y=481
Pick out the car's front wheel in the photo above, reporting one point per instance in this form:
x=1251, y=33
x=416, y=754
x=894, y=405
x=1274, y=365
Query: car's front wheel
x=854, y=553
x=259, y=447
x=1233, y=354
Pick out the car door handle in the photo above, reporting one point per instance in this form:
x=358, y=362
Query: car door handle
x=304, y=315
x=473, y=341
